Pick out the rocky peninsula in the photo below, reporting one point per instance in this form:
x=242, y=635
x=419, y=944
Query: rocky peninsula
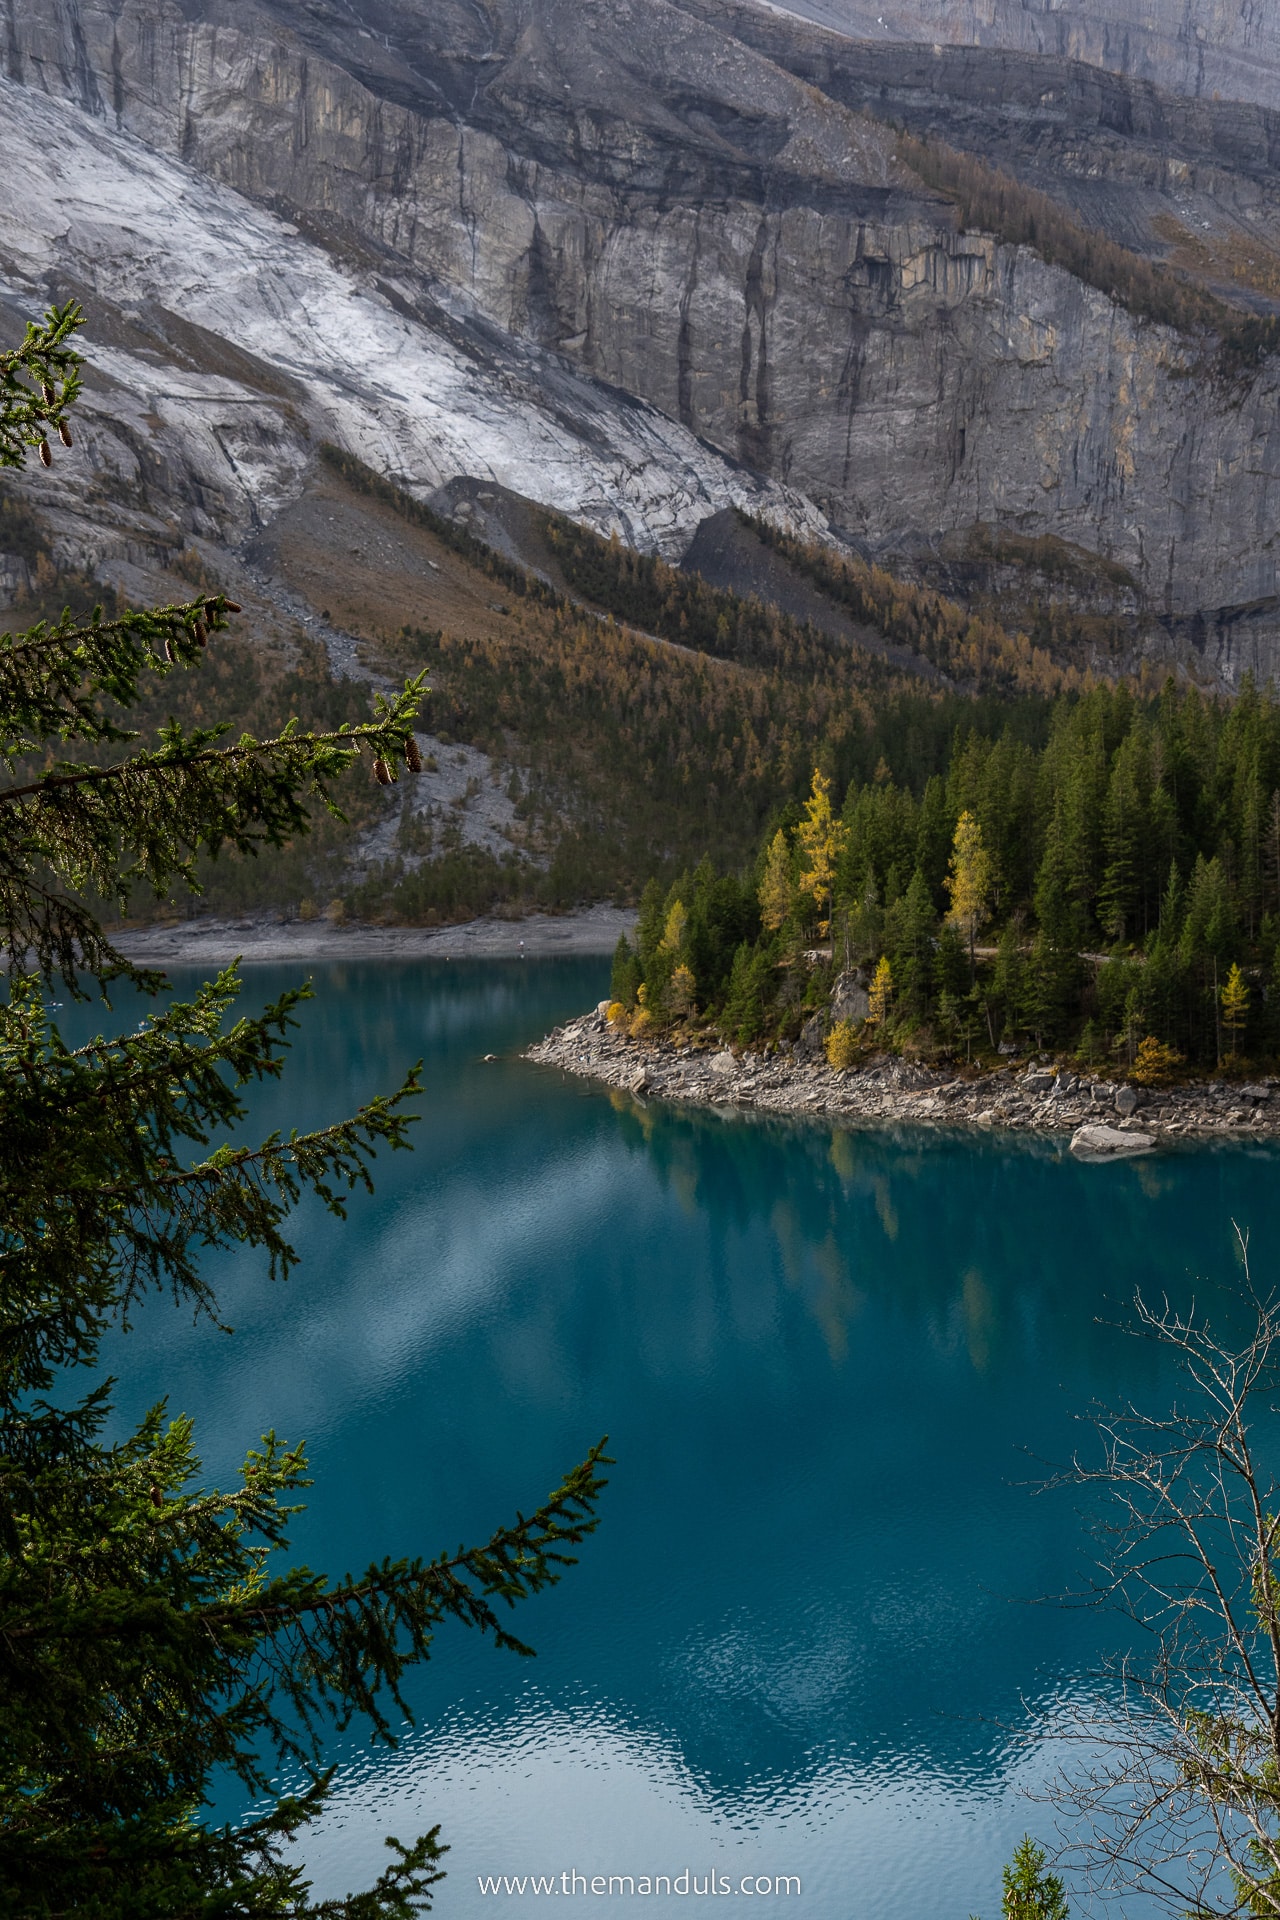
x=1105, y=1117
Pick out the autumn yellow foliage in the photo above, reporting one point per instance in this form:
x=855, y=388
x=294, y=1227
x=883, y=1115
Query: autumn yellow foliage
x=822, y=837
x=680, y=993
x=881, y=992
x=842, y=1045
x=1154, y=1062
x=775, y=888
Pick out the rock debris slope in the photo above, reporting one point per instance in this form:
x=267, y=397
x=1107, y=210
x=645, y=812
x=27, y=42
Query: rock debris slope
x=575, y=201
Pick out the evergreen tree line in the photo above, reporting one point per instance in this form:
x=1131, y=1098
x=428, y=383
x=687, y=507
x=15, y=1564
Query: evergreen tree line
x=989, y=200
x=1113, y=888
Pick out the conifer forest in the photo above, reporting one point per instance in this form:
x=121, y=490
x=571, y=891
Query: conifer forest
x=1110, y=884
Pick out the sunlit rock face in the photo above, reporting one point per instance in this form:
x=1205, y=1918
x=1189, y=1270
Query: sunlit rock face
x=687, y=203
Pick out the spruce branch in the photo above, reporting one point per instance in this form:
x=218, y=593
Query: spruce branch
x=39, y=383
x=93, y=1215
x=53, y=677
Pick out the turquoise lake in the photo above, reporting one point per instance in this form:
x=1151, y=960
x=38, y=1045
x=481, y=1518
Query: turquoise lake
x=832, y=1366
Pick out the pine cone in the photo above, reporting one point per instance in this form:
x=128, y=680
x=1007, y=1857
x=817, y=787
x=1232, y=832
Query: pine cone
x=201, y=633
x=64, y=433
x=45, y=454
x=412, y=758
x=382, y=772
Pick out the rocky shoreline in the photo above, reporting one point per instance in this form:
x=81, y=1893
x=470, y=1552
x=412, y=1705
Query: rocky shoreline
x=1105, y=1118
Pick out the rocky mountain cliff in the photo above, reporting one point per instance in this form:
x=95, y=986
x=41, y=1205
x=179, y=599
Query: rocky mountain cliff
x=1224, y=49
x=529, y=210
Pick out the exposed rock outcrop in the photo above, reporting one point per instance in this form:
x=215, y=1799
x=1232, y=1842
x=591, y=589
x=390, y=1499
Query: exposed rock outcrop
x=223, y=344
x=674, y=213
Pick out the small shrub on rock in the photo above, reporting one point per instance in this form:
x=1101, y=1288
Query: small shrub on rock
x=1154, y=1063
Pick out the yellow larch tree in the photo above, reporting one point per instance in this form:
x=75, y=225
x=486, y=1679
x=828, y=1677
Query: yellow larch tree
x=1235, y=1006
x=775, y=889
x=881, y=992
x=968, y=879
x=822, y=837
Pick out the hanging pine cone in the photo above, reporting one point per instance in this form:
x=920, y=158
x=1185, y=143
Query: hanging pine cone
x=169, y=654
x=412, y=758
x=64, y=433
x=45, y=454
x=201, y=633
x=157, y=1498
x=230, y=606
x=211, y=611
x=382, y=772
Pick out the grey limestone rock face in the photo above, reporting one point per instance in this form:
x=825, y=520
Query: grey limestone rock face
x=637, y=190
x=850, y=999
x=1197, y=47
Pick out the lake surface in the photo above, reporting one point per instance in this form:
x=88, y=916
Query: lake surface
x=803, y=1641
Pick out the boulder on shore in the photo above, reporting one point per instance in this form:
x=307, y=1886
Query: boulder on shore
x=1095, y=1142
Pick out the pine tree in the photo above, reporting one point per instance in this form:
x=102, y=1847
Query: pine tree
x=625, y=975
x=910, y=930
x=1122, y=897
x=1029, y=1893
x=150, y=1638
x=1009, y=974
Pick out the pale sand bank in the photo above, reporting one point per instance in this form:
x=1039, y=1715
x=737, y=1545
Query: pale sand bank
x=262, y=937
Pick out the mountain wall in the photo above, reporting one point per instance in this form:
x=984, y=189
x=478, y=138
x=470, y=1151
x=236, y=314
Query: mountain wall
x=1224, y=49
x=638, y=193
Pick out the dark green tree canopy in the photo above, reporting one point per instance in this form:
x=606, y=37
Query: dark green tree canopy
x=150, y=1632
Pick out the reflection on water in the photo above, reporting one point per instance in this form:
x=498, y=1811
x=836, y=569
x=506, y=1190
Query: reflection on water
x=829, y=1363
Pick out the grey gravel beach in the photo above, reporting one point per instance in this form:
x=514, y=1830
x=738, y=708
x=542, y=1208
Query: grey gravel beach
x=267, y=937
